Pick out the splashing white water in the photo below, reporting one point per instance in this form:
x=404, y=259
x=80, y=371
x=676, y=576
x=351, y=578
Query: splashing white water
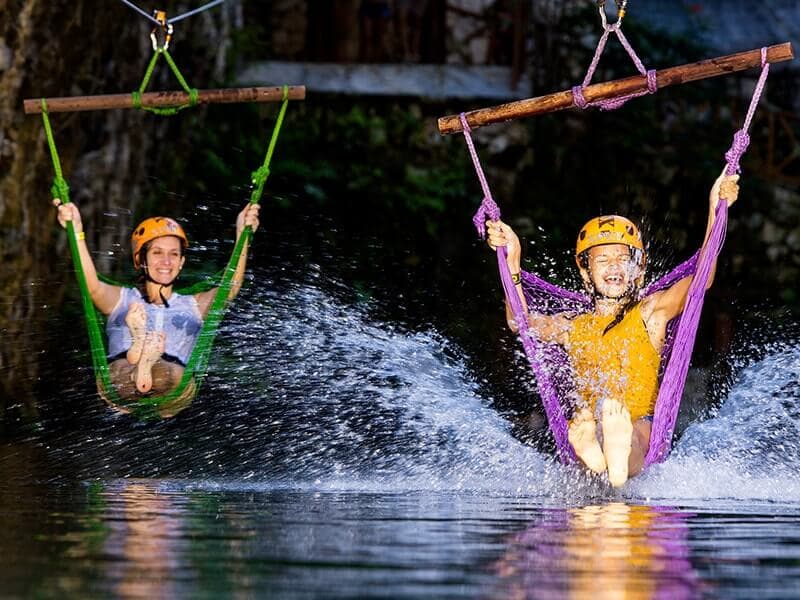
x=308, y=391
x=367, y=406
x=749, y=450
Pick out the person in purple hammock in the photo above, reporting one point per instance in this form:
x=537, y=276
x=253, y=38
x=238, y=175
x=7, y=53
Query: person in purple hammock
x=615, y=349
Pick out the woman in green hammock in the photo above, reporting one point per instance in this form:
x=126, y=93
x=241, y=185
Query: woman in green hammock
x=152, y=329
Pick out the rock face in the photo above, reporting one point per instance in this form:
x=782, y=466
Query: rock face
x=80, y=47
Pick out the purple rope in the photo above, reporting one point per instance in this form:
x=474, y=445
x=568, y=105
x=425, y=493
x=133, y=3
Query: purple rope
x=549, y=362
x=613, y=103
x=533, y=350
x=674, y=379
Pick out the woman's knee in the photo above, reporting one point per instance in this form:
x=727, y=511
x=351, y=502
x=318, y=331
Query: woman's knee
x=166, y=376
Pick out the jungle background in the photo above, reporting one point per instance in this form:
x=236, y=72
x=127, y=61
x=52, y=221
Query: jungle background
x=366, y=199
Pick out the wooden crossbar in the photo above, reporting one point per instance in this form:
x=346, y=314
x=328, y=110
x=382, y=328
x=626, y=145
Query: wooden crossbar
x=163, y=99
x=617, y=88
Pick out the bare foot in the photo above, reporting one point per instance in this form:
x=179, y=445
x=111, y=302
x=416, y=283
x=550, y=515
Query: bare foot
x=136, y=320
x=152, y=350
x=617, y=432
x=583, y=437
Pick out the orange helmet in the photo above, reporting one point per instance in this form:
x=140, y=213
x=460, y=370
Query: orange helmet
x=152, y=228
x=609, y=229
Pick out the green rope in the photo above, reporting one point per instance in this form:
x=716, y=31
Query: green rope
x=152, y=407
x=60, y=190
x=260, y=175
x=136, y=96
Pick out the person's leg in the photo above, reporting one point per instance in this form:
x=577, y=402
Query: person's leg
x=123, y=375
x=165, y=376
x=582, y=436
x=136, y=320
x=151, y=352
x=640, y=444
x=617, y=433
x=177, y=404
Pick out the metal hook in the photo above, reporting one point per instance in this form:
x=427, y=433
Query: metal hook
x=166, y=29
x=621, y=9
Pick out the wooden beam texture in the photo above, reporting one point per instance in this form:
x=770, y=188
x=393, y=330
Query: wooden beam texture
x=163, y=99
x=704, y=69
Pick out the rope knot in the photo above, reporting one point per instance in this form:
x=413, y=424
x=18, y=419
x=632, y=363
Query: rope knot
x=488, y=208
x=739, y=146
x=577, y=97
x=259, y=176
x=464, y=125
x=60, y=189
x=652, y=81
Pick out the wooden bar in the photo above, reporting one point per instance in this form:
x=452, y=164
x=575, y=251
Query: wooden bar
x=704, y=69
x=163, y=99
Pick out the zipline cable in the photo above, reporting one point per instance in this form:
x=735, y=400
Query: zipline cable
x=150, y=17
x=141, y=12
x=211, y=4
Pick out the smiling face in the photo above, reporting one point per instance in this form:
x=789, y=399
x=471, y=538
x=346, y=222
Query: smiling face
x=164, y=259
x=612, y=270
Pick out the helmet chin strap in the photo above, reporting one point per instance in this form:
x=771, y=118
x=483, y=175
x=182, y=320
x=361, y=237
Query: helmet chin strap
x=161, y=285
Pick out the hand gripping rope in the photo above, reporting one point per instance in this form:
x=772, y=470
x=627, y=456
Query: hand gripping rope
x=678, y=348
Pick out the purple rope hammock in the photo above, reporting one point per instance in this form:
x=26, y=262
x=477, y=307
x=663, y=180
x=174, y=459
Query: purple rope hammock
x=549, y=361
x=613, y=103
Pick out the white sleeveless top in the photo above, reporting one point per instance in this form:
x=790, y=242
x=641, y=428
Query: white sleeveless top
x=181, y=323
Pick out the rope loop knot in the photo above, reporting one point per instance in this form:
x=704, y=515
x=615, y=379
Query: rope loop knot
x=488, y=208
x=260, y=175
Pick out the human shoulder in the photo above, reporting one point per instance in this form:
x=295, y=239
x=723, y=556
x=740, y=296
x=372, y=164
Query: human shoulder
x=127, y=295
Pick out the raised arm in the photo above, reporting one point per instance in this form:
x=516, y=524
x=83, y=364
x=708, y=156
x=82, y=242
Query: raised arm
x=548, y=328
x=104, y=296
x=248, y=216
x=669, y=303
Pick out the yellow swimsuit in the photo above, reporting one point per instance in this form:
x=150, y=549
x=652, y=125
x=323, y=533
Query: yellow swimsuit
x=623, y=364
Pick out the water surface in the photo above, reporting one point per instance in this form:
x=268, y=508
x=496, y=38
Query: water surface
x=349, y=458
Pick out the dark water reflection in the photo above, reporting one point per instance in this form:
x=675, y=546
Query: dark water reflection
x=135, y=538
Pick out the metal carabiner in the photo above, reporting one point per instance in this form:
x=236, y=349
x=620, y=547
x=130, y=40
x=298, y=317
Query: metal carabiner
x=164, y=27
x=621, y=8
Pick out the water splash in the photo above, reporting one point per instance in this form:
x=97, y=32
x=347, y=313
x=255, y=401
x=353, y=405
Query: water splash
x=308, y=390
x=750, y=449
x=366, y=404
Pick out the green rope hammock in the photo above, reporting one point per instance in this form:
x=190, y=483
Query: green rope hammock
x=152, y=407
x=167, y=110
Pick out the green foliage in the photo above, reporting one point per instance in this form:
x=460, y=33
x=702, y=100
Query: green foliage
x=359, y=155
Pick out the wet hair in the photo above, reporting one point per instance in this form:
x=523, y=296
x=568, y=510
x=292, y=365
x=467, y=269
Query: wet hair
x=633, y=300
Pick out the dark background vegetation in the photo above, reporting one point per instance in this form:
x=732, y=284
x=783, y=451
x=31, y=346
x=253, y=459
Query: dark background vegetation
x=366, y=196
